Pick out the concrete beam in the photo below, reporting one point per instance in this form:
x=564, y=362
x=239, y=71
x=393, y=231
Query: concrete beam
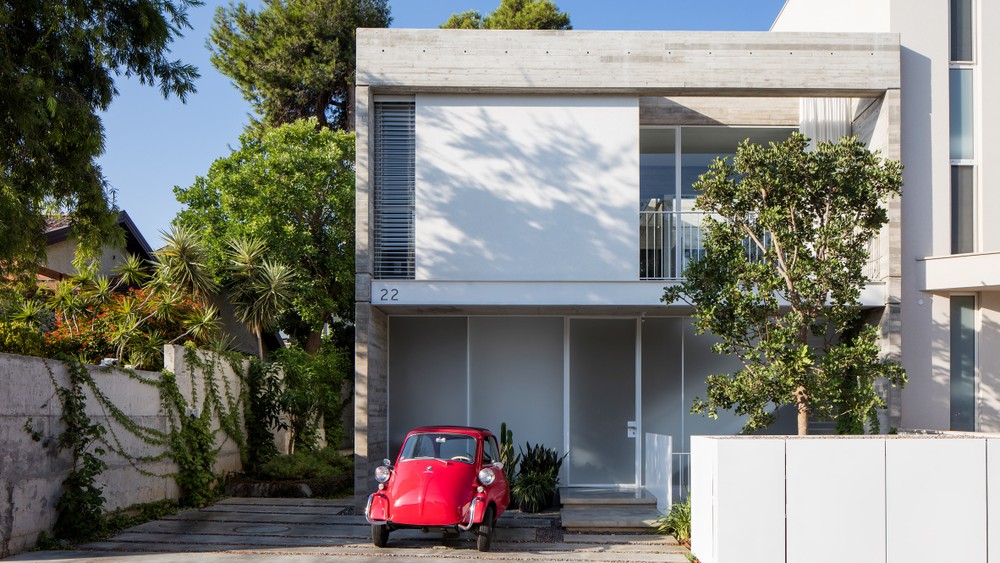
x=751, y=64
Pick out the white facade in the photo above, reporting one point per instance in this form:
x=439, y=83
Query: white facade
x=526, y=188
x=950, y=293
x=516, y=225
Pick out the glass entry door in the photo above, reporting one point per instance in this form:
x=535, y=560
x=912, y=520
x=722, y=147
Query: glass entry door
x=602, y=398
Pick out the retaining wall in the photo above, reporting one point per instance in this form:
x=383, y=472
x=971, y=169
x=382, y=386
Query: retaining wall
x=31, y=473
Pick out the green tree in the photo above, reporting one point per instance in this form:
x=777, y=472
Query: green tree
x=295, y=59
x=781, y=279
x=292, y=187
x=58, y=61
x=513, y=14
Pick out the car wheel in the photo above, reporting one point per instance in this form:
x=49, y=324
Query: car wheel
x=485, y=531
x=380, y=535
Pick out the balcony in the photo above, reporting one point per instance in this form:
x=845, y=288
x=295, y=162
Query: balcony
x=670, y=240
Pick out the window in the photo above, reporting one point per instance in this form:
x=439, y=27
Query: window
x=490, y=454
x=394, y=187
x=961, y=30
x=963, y=206
x=963, y=362
x=670, y=161
x=455, y=447
x=961, y=114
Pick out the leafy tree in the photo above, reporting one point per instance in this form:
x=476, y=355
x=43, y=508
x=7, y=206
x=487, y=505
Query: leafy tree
x=295, y=59
x=58, y=61
x=312, y=385
x=513, y=14
x=292, y=187
x=781, y=277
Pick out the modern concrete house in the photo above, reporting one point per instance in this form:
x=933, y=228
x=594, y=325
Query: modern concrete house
x=523, y=198
x=950, y=248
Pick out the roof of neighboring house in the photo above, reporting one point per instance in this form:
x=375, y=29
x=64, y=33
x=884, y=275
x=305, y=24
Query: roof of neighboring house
x=57, y=229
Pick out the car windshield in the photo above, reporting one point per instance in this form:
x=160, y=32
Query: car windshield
x=455, y=447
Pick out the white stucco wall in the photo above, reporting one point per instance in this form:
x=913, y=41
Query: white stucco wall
x=989, y=363
x=842, y=15
x=926, y=213
x=877, y=499
x=988, y=74
x=541, y=188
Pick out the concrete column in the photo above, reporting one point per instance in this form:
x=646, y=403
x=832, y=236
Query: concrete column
x=371, y=386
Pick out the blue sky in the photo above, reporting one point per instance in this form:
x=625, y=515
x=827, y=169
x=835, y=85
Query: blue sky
x=152, y=144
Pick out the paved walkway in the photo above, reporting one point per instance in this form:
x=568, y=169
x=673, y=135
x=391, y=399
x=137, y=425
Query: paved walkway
x=299, y=530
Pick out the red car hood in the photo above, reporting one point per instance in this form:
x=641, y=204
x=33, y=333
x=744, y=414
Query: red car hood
x=431, y=492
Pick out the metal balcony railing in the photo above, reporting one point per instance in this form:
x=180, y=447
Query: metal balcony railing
x=670, y=240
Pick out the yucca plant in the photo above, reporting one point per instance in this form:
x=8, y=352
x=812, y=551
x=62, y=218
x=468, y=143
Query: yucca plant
x=535, y=486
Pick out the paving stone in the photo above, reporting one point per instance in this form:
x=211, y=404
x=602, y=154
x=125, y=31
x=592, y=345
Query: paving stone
x=620, y=538
x=300, y=530
x=267, y=517
x=247, y=501
x=276, y=509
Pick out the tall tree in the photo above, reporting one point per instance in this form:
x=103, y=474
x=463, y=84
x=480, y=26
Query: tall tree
x=295, y=59
x=292, y=187
x=513, y=14
x=781, y=279
x=58, y=61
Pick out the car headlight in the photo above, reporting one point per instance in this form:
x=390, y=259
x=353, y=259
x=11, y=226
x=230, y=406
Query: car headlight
x=486, y=476
x=382, y=474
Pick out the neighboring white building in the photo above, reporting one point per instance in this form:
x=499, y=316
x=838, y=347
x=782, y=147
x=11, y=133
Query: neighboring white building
x=522, y=199
x=950, y=257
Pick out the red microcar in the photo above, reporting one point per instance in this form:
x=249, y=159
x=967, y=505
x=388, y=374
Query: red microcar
x=446, y=477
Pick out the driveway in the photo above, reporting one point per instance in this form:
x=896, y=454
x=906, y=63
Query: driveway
x=299, y=530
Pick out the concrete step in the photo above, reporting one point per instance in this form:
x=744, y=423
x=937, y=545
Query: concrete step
x=587, y=496
x=617, y=518
x=585, y=509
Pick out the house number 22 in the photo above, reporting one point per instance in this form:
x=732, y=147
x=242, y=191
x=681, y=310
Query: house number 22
x=389, y=295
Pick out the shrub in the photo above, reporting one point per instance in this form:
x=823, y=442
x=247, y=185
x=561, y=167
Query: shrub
x=262, y=413
x=678, y=522
x=21, y=338
x=311, y=396
x=303, y=465
x=534, y=487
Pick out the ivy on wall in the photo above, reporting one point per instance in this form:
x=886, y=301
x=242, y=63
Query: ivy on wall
x=189, y=440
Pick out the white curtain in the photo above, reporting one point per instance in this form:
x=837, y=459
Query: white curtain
x=824, y=119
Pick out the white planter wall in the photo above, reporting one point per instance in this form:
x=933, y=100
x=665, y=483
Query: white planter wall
x=884, y=499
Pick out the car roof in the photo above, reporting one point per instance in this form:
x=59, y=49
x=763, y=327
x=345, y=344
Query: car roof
x=470, y=430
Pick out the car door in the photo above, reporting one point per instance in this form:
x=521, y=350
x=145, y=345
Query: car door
x=491, y=455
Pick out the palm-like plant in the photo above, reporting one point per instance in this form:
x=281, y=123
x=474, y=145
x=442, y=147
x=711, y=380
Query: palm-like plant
x=67, y=303
x=29, y=311
x=131, y=272
x=261, y=288
x=182, y=263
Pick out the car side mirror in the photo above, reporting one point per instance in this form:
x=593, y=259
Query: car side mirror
x=498, y=464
